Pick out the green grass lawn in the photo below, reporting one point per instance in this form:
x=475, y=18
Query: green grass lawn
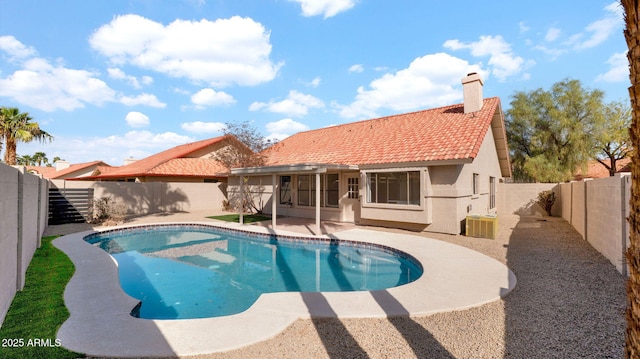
x=247, y=218
x=36, y=313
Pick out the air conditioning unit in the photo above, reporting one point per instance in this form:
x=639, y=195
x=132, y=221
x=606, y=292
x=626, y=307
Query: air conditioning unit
x=482, y=226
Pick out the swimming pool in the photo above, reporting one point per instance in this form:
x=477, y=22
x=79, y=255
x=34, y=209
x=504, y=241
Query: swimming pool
x=199, y=271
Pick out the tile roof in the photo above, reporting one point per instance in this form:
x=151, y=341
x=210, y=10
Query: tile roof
x=595, y=169
x=73, y=168
x=171, y=162
x=50, y=172
x=444, y=133
x=189, y=167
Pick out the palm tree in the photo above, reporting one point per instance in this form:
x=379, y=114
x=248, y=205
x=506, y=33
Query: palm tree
x=16, y=126
x=25, y=160
x=40, y=157
x=632, y=36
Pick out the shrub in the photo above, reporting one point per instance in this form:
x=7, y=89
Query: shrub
x=546, y=199
x=107, y=211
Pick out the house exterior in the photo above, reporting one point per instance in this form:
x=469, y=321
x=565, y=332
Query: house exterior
x=191, y=162
x=425, y=170
x=66, y=170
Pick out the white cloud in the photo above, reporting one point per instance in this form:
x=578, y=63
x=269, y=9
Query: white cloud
x=144, y=99
x=284, y=128
x=552, y=34
x=112, y=149
x=203, y=127
x=118, y=74
x=431, y=80
x=600, y=30
x=523, y=27
x=137, y=119
x=327, y=8
x=315, y=82
x=222, y=52
x=15, y=48
x=296, y=104
x=356, y=68
x=50, y=87
x=209, y=97
x=503, y=63
x=619, y=70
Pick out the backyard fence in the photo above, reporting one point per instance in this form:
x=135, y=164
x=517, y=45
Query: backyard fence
x=597, y=209
x=141, y=198
x=23, y=218
x=69, y=205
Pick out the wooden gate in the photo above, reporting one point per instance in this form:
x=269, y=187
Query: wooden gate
x=69, y=205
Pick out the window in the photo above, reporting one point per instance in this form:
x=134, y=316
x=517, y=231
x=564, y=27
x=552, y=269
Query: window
x=331, y=193
x=352, y=188
x=306, y=188
x=285, y=189
x=394, y=187
x=329, y=190
x=476, y=184
x=492, y=192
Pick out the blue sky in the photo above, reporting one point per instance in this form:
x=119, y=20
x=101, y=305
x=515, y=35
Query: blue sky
x=116, y=79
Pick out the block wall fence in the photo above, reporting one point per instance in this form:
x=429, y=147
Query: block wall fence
x=23, y=219
x=597, y=209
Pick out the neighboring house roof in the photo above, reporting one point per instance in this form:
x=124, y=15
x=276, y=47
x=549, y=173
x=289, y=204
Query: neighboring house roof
x=189, y=167
x=41, y=170
x=52, y=173
x=595, y=169
x=172, y=162
x=439, y=134
x=75, y=168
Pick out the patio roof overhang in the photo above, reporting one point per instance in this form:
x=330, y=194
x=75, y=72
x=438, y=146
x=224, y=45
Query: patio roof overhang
x=292, y=169
x=308, y=168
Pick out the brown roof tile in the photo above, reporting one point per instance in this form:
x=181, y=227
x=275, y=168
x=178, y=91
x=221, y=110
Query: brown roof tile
x=444, y=133
x=171, y=162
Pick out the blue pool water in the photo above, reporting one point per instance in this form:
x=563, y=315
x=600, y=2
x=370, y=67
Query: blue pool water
x=180, y=272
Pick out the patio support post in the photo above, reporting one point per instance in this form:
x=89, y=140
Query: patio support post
x=241, y=217
x=274, y=200
x=318, y=204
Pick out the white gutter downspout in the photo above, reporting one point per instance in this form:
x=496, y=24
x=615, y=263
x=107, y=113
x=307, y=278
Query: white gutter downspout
x=318, y=204
x=241, y=217
x=274, y=206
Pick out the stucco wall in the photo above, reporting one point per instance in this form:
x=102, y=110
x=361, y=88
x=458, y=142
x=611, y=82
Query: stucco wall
x=597, y=209
x=520, y=198
x=154, y=197
x=23, y=199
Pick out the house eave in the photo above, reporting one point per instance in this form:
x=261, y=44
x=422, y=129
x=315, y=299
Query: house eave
x=292, y=169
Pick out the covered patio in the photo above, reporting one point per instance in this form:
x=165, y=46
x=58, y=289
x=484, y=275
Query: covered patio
x=316, y=169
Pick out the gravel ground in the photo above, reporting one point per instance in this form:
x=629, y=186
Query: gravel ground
x=569, y=303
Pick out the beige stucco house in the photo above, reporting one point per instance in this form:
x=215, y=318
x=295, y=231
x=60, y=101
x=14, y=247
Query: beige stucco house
x=191, y=162
x=425, y=170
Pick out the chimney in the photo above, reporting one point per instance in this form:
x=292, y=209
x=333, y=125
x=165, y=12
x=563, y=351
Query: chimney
x=472, y=92
x=128, y=161
x=62, y=164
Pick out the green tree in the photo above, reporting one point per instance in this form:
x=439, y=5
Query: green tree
x=613, y=139
x=25, y=160
x=553, y=133
x=40, y=158
x=16, y=126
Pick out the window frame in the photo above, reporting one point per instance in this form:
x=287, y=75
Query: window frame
x=288, y=188
x=311, y=191
x=412, y=199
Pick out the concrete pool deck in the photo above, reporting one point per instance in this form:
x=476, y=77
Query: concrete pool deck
x=100, y=323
